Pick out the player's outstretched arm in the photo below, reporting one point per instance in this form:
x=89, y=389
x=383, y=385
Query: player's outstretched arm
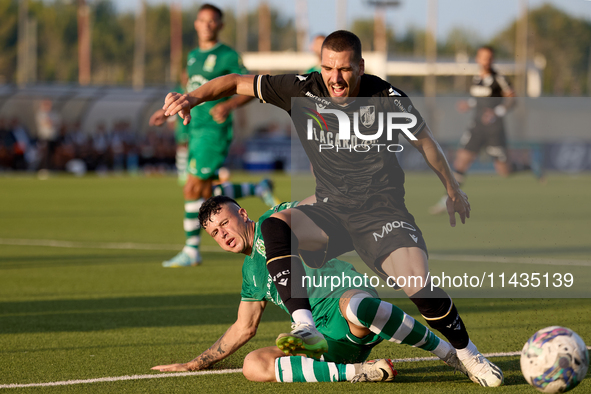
x=224, y=86
x=220, y=112
x=245, y=327
x=435, y=158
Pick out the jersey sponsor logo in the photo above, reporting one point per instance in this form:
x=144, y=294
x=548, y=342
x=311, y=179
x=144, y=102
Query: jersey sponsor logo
x=209, y=63
x=400, y=106
x=205, y=170
x=388, y=227
x=317, y=117
x=195, y=81
x=323, y=102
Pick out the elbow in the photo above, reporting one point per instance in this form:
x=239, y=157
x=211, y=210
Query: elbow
x=246, y=333
x=250, y=332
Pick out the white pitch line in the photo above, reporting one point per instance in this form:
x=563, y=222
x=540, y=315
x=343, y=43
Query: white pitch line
x=214, y=249
x=97, y=245
x=119, y=378
x=215, y=372
x=416, y=359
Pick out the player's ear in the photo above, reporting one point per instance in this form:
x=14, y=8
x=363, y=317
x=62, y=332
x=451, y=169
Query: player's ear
x=243, y=214
x=361, y=67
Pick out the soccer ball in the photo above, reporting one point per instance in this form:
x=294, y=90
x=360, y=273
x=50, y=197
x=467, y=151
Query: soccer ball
x=554, y=360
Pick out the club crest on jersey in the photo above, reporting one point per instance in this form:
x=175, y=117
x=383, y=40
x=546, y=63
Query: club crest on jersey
x=367, y=115
x=260, y=247
x=209, y=63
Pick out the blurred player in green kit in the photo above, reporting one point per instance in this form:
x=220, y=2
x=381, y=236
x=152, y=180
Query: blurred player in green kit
x=210, y=134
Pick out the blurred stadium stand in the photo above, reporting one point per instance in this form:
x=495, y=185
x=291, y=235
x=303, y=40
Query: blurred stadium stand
x=553, y=130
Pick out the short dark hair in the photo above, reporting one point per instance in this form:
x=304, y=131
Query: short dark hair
x=213, y=206
x=488, y=48
x=213, y=8
x=343, y=40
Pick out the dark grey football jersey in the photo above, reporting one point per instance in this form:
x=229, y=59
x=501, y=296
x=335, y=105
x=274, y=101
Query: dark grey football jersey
x=488, y=91
x=355, y=168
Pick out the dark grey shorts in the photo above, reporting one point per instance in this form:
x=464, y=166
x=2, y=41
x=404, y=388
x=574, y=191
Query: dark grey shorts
x=373, y=232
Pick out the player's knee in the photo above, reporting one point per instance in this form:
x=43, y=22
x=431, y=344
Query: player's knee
x=345, y=299
x=350, y=307
x=249, y=368
x=283, y=215
x=196, y=188
x=278, y=237
x=259, y=366
x=192, y=188
x=503, y=168
x=433, y=303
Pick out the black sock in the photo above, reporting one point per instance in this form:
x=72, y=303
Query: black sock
x=284, y=264
x=441, y=314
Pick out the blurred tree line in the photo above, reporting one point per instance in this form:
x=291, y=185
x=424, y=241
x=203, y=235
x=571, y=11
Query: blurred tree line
x=113, y=40
x=563, y=40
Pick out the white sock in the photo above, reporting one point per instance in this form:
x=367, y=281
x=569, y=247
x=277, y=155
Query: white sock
x=352, y=370
x=303, y=316
x=442, y=349
x=467, y=352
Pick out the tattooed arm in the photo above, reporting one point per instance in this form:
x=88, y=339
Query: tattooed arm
x=245, y=327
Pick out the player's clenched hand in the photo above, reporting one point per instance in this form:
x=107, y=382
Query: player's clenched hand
x=171, y=368
x=176, y=103
x=220, y=112
x=458, y=202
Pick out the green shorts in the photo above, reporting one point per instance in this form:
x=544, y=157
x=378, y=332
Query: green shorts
x=181, y=132
x=208, y=149
x=343, y=347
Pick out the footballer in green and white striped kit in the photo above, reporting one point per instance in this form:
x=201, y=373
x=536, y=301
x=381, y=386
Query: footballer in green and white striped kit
x=210, y=132
x=352, y=319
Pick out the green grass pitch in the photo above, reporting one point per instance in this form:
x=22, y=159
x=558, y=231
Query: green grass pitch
x=87, y=311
